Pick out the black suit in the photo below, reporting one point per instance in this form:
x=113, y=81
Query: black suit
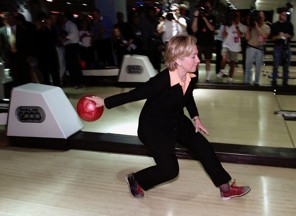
x=5, y=50
x=17, y=61
x=162, y=124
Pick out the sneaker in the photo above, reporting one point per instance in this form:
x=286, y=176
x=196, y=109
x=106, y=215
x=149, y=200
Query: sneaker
x=285, y=83
x=274, y=83
x=235, y=191
x=230, y=80
x=220, y=74
x=135, y=188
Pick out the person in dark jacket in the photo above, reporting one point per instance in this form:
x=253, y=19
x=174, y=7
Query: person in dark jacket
x=47, y=55
x=17, y=47
x=163, y=123
x=282, y=32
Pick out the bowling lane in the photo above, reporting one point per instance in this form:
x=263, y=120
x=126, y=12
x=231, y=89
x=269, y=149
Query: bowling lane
x=87, y=183
x=234, y=117
x=288, y=102
x=243, y=117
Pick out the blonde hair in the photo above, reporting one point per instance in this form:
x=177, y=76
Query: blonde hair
x=179, y=46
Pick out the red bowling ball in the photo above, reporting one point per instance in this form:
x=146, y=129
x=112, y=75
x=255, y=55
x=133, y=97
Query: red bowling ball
x=87, y=109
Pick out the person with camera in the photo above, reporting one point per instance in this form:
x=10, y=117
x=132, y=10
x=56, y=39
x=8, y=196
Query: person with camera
x=172, y=24
x=281, y=34
x=203, y=27
x=256, y=35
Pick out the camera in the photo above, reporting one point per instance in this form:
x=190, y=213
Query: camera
x=202, y=11
x=170, y=16
x=171, y=10
x=254, y=17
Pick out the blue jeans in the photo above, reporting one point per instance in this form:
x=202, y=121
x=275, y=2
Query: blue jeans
x=278, y=55
x=253, y=55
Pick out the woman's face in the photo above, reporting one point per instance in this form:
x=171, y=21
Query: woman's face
x=190, y=63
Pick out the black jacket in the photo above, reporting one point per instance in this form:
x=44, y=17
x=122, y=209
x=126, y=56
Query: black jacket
x=163, y=109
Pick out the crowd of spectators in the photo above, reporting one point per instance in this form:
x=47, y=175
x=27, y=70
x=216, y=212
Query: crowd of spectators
x=55, y=44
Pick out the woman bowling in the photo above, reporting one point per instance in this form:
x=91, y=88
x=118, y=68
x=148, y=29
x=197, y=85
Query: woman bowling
x=162, y=122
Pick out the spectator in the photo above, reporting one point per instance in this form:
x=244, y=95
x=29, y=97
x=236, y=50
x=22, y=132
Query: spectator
x=281, y=34
x=137, y=31
x=120, y=45
x=70, y=39
x=125, y=27
x=172, y=24
x=16, y=48
x=57, y=27
x=151, y=40
x=184, y=13
x=218, y=47
x=47, y=56
x=256, y=36
x=86, y=47
x=231, y=46
x=102, y=28
x=203, y=27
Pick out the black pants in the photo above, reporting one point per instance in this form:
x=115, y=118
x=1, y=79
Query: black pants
x=87, y=55
x=218, y=49
x=48, y=64
x=73, y=66
x=19, y=68
x=103, y=49
x=162, y=147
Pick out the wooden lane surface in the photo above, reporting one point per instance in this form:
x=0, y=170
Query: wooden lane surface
x=82, y=183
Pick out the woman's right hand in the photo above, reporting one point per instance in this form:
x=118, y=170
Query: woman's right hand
x=98, y=100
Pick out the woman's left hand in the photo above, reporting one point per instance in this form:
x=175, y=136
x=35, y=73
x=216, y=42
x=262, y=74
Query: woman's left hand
x=199, y=126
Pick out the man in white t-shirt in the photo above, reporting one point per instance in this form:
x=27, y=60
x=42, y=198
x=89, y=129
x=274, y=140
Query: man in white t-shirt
x=231, y=46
